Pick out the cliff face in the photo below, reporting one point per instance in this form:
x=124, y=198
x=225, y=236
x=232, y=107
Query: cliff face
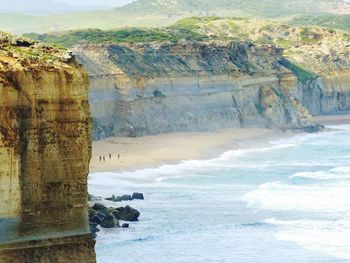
x=326, y=95
x=149, y=89
x=45, y=149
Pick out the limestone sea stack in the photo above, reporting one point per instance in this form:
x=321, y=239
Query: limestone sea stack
x=45, y=148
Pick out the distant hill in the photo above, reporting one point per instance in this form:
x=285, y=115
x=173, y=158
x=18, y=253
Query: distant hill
x=42, y=7
x=331, y=21
x=316, y=48
x=261, y=8
x=153, y=13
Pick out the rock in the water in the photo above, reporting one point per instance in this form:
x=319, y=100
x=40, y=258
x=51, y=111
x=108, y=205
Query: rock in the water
x=112, y=198
x=108, y=217
x=99, y=207
x=102, y=217
x=137, y=196
x=94, y=229
x=119, y=198
x=125, y=198
x=126, y=213
x=109, y=221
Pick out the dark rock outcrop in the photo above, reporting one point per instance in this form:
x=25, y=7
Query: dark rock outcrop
x=137, y=196
x=126, y=213
x=100, y=215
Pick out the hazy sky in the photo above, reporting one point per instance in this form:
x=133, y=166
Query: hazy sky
x=96, y=2
x=105, y=2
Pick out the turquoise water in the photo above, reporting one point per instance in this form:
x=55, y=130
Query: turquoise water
x=286, y=203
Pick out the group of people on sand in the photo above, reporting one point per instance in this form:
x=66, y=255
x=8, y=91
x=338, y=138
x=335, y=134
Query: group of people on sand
x=103, y=158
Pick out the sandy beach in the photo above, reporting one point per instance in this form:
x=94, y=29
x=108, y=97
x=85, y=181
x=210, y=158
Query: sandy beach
x=152, y=151
x=156, y=150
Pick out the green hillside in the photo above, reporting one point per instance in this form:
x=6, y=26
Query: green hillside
x=133, y=35
x=259, y=31
x=331, y=21
x=153, y=13
x=262, y=8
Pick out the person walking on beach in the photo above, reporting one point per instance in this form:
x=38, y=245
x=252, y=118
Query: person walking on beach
x=118, y=156
x=110, y=156
x=104, y=158
x=100, y=158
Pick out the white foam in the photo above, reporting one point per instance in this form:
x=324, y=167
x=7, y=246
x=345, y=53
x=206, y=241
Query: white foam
x=336, y=173
x=330, y=237
x=328, y=202
x=330, y=199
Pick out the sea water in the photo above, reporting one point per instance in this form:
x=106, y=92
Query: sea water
x=285, y=203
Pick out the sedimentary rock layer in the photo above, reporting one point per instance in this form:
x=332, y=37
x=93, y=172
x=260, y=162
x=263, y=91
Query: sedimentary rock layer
x=160, y=88
x=45, y=149
x=327, y=94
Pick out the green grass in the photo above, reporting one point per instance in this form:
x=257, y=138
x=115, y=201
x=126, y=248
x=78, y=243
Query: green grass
x=302, y=74
x=134, y=35
x=263, y=40
x=193, y=23
x=284, y=43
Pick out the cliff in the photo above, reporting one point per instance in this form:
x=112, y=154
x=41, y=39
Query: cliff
x=319, y=57
x=144, y=89
x=45, y=148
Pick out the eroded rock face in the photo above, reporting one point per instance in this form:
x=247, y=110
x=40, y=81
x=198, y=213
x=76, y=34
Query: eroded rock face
x=147, y=89
x=329, y=94
x=45, y=148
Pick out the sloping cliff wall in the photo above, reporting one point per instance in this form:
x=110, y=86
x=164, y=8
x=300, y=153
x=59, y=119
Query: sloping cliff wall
x=324, y=74
x=327, y=94
x=45, y=149
x=160, y=88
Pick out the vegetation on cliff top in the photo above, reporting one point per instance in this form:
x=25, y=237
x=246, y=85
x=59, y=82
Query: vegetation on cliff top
x=133, y=35
x=316, y=48
x=302, y=73
x=23, y=52
x=202, y=29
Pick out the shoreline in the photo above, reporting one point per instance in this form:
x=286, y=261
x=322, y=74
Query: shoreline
x=156, y=150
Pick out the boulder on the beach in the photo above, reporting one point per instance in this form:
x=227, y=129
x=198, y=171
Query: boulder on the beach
x=125, y=225
x=137, y=196
x=126, y=213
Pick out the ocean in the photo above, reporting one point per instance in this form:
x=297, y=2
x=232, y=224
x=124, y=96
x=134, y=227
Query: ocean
x=288, y=202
